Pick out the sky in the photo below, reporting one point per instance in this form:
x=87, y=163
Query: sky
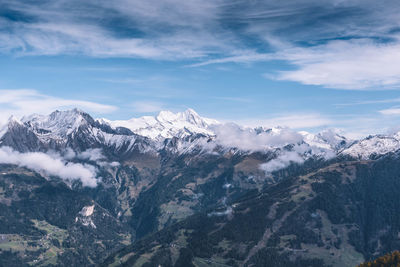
x=308, y=65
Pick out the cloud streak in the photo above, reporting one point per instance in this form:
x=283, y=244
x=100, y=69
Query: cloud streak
x=355, y=64
x=390, y=111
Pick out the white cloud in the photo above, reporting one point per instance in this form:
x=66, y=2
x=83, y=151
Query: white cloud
x=298, y=154
x=232, y=135
x=50, y=165
x=361, y=64
x=69, y=154
x=282, y=161
x=93, y=154
x=390, y=111
x=21, y=102
x=353, y=64
x=60, y=29
x=52, y=39
x=370, y=102
x=238, y=57
x=203, y=30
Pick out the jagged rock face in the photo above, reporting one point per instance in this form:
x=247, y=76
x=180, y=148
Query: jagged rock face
x=21, y=138
x=72, y=129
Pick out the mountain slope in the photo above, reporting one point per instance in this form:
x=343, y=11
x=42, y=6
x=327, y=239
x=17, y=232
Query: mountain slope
x=72, y=129
x=338, y=215
x=43, y=223
x=289, y=186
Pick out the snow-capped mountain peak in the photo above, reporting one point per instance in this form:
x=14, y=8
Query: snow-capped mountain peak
x=376, y=145
x=58, y=123
x=327, y=139
x=167, y=124
x=61, y=128
x=12, y=122
x=188, y=116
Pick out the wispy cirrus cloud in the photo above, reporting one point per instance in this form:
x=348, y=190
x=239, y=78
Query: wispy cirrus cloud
x=355, y=64
x=331, y=43
x=361, y=64
x=239, y=57
x=142, y=29
x=371, y=102
x=390, y=111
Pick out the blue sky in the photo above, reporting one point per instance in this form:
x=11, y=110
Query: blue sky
x=304, y=64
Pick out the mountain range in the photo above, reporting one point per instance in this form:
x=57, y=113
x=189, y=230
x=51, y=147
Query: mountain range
x=178, y=189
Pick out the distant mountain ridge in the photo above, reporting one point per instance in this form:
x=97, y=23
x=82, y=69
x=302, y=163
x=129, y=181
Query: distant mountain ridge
x=78, y=189
x=58, y=128
x=167, y=124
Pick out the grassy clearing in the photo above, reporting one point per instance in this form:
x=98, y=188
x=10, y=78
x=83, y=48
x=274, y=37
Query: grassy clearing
x=46, y=243
x=174, y=211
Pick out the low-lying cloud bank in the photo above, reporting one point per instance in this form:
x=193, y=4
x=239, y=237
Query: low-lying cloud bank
x=233, y=135
x=92, y=154
x=282, y=161
x=275, y=139
x=297, y=155
x=50, y=165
